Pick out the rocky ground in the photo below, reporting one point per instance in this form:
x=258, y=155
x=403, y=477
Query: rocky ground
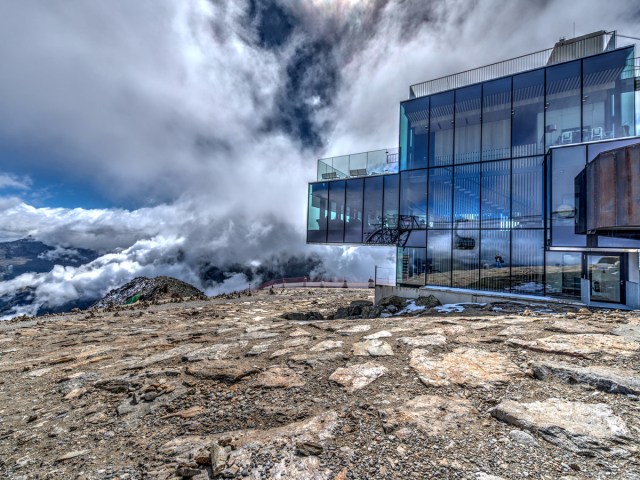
x=227, y=388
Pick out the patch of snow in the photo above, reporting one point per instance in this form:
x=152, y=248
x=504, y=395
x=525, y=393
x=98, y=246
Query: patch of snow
x=529, y=287
x=411, y=308
x=457, y=307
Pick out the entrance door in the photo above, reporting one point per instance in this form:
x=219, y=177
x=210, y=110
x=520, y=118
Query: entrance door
x=606, y=274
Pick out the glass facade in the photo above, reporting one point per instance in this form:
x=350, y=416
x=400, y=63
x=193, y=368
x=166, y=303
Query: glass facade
x=488, y=174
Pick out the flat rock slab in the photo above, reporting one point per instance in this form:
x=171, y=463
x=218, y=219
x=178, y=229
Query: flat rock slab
x=259, y=335
x=464, y=366
x=449, y=330
x=221, y=370
x=279, y=377
x=612, y=380
x=630, y=332
x=162, y=356
x=313, y=358
x=355, y=329
x=326, y=345
x=584, y=428
x=299, y=332
x=574, y=326
x=423, y=340
x=296, y=342
x=380, y=334
x=431, y=414
x=580, y=345
x=374, y=348
x=358, y=376
x=213, y=352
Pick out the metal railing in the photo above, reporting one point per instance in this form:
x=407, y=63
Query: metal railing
x=376, y=162
x=563, y=51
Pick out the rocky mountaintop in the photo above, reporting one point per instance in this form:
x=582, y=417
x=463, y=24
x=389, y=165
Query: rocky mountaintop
x=228, y=388
x=151, y=290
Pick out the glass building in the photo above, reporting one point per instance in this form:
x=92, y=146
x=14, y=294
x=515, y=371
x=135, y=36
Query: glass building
x=493, y=184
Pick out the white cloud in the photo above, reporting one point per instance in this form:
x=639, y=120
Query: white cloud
x=8, y=181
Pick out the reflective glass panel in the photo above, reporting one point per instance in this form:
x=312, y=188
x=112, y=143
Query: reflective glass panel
x=439, y=257
x=414, y=134
x=467, y=124
x=318, y=212
x=563, y=105
x=372, y=206
x=466, y=196
x=608, y=92
x=564, y=270
x=413, y=196
x=528, y=114
x=439, y=197
x=495, y=260
x=496, y=194
x=496, y=119
x=441, y=130
x=466, y=251
x=413, y=266
x=527, y=205
x=391, y=199
x=527, y=262
x=566, y=164
x=336, y=211
x=353, y=211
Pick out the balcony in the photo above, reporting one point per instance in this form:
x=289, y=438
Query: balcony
x=376, y=162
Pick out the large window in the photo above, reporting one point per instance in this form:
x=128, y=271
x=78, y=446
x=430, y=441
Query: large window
x=467, y=123
x=353, y=211
x=372, y=206
x=441, y=130
x=439, y=258
x=496, y=119
x=566, y=164
x=336, y=211
x=439, y=197
x=318, y=212
x=608, y=96
x=391, y=199
x=466, y=196
x=528, y=114
x=495, y=260
x=413, y=195
x=527, y=262
x=413, y=263
x=414, y=134
x=563, y=274
x=527, y=194
x=465, y=258
x=563, y=105
x=496, y=194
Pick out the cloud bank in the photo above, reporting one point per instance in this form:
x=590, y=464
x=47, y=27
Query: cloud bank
x=208, y=117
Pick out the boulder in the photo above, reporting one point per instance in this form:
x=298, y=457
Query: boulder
x=394, y=300
x=302, y=316
x=428, y=301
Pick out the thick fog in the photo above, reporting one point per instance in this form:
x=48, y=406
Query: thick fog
x=208, y=117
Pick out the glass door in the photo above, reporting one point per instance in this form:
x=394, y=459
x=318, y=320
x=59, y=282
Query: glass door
x=606, y=277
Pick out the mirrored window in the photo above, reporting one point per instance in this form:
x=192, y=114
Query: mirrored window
x=495, y=260
x=528, y=114
x=467, y=124
x=391, y=199
x=372, y=206
x=563, y=105
x=466, y=250
x=336, y=211
x=413, y=196
x=440, y=197
x=608, y=96
x=318, y=212
x=413, y=264
x=414, y=134
x=496, y=119
x=527, y=262
x=439, y=257
x=527, y=206
x=354, y=211
x=441, y=129
x=466, y=196
x=496, y=194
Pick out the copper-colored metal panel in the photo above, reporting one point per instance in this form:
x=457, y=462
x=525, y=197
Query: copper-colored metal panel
x=613, y=190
